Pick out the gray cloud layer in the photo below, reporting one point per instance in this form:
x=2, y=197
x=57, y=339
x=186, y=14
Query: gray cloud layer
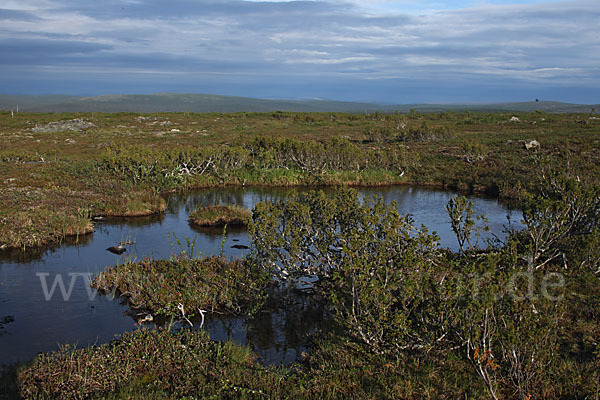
x=302, y=49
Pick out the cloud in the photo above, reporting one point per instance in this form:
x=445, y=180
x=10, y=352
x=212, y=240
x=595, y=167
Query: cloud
x=47, y=51
x=328, y=44
x=7, y=15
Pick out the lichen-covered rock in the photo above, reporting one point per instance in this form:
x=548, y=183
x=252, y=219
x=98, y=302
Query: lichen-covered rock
x=74, y=125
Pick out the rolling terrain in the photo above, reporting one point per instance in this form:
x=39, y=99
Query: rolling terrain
x=181, y=102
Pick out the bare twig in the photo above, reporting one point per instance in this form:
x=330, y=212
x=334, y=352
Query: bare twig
x=180, y=307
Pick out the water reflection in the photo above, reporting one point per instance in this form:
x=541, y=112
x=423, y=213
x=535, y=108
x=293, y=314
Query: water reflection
x=19, y=256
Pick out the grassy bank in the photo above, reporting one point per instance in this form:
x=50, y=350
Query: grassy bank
x=43, y=203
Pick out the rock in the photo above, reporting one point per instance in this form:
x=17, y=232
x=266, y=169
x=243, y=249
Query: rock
x=514, y=119
x=532, y=144
x=117, y=249
x=74, y=125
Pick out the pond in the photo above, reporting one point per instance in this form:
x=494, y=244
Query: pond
x=37, y=314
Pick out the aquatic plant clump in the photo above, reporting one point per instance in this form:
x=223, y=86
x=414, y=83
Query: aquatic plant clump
x=211, y=284
x=137, y=204
x=220, y=216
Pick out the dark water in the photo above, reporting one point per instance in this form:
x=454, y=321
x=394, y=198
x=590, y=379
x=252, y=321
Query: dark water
x=32, y=322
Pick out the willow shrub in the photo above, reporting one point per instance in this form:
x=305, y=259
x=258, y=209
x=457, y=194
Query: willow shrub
x=528, y=296
x=508, y=323
x=562, y=217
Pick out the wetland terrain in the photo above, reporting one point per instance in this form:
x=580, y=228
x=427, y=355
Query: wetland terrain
x=270, y=255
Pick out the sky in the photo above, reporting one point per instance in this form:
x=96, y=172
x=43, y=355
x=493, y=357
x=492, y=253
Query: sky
x=382, y=51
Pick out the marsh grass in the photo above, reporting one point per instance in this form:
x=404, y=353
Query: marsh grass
x=217, y=216
x=137, y=204
x=41, y=227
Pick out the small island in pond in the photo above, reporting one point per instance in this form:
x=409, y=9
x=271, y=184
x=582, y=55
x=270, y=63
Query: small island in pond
x=215, y=216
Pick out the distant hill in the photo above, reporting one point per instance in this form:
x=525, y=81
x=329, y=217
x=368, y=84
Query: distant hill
x=181, y=102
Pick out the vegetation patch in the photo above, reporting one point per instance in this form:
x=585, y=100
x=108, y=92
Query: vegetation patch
x=220, y=216
x=41, y=227
x=137, y=204
x=186, y=364
x=213, y=284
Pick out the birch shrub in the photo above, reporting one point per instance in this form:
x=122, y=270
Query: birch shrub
x=375, y=266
